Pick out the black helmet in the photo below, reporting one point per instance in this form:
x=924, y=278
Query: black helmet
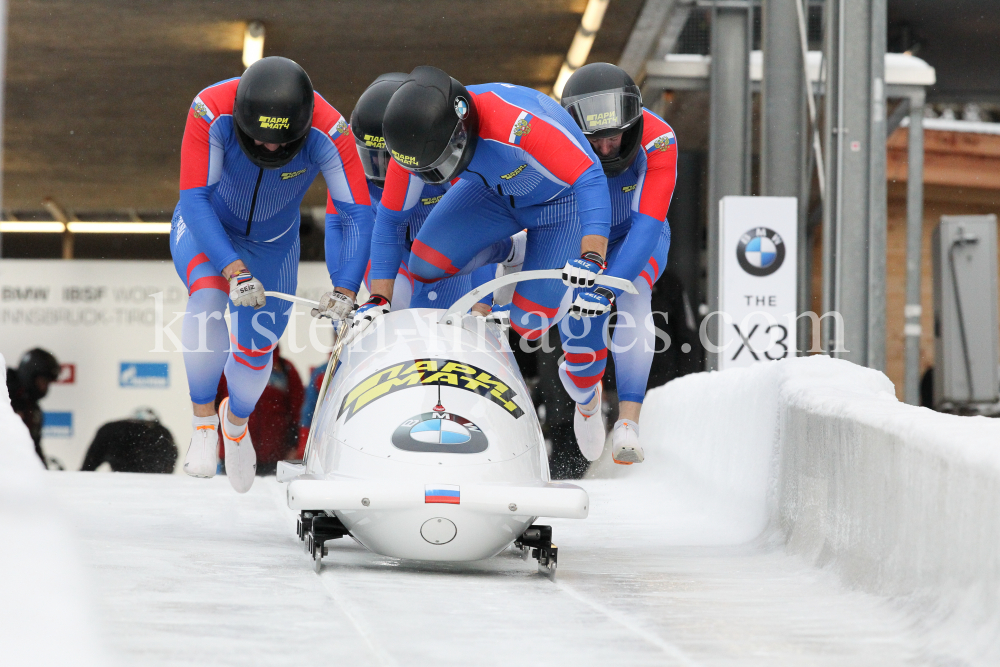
x=604, y=101
x=431, y=125
x=34, y=364
x=274, y=105
x=366, y=125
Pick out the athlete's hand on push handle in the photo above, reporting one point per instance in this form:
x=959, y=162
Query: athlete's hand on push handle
x=374, y=307
x=582, y=272
x=336, y=306
x=244, y=289
x=592, y=303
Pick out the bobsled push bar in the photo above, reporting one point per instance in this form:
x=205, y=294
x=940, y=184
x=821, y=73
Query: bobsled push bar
x=289, y=297
x=454, y=314
x=464, y=304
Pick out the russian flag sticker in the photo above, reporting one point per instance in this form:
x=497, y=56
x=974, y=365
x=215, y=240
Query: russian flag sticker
x=442, y=493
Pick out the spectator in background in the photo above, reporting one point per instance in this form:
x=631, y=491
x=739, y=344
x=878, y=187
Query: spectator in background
x=274, y=423
x=138, y=444
x=29, y=384
x=309, y=407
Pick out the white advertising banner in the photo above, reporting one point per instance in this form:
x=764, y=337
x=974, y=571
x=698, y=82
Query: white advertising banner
x=757, y=280
x=100, y=319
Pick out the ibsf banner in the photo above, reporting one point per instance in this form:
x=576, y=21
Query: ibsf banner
x=757, y=280
x=115, y=328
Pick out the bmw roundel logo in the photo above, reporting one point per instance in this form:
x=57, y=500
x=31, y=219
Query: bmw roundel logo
x=440, y=432
x=461, y=107
x=760, y=251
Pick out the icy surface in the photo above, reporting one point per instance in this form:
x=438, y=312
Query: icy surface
x=771, y=500
x=191, y=573
x=43, y=589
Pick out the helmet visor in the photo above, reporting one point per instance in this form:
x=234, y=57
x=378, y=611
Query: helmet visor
x=446, y=166
x=374, y=160
x=599, y=113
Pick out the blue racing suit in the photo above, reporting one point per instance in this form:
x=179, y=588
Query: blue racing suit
x=532, y=169
x=637, y=251
x=231, y=209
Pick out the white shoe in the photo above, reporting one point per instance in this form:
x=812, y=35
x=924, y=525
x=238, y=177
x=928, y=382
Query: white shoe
x=202, y=459
x=241, y=459
x=625, y=443
x=589, y=429
x=513, y=264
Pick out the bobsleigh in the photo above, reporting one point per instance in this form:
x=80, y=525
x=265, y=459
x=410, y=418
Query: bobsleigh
x=425, y=444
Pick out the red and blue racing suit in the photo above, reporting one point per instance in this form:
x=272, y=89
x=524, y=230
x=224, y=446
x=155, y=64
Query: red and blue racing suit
x=532, y=169
x=404, y=204
x=637, y=251
x=231, y=209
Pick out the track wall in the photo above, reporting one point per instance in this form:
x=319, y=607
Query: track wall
x=898, y=500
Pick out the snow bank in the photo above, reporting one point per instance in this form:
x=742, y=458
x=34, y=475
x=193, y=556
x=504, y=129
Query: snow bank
x=45, y=618
x=898, y=500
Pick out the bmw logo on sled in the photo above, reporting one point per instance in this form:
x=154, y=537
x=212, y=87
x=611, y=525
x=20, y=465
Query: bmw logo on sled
x=425, y=444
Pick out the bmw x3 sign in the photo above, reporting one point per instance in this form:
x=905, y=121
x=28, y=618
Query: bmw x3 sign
x=757, y=280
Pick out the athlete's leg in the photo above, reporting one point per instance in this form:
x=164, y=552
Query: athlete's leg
x=585, y=355
x=553, y=238
x=442, y=293
x=635, y=339
x=256, y=332
x=205, y=339
x=633, y=348
x=204, y=333
x=470, y=227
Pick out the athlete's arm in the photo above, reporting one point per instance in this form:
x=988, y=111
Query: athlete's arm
x=575, y=164
x=400, y=195
x=333, y=246
x=348, y=193
x=649, y=205
x=198, y=148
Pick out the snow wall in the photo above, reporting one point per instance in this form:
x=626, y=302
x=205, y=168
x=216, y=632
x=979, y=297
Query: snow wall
x=898, y=500
x=46, y=607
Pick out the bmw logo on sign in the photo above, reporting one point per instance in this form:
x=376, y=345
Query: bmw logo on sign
x=760, y=251
x=439, y=432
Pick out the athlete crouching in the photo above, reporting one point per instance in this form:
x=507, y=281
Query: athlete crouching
x=252, y=147
x=516, y=162
x=638, y=152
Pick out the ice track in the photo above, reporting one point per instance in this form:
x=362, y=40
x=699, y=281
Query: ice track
x=185, y=571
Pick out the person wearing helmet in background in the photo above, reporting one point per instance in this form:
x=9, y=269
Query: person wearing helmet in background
x=638, y=152
x=252, y=147
x=402, y=202
x=521, y=163
x=29, y=384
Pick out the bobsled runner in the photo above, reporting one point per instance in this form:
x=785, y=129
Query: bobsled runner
x=425, y=444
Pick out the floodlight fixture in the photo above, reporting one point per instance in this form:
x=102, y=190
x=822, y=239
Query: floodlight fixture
x=253, y=43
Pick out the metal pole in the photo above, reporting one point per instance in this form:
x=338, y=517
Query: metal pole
x=727, y=145
x=852, y=215
x=878, y=194
x=914, y=240
x=831, y=116
x=783, y=132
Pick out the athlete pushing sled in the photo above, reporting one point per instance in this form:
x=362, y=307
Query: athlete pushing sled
x=252, y=147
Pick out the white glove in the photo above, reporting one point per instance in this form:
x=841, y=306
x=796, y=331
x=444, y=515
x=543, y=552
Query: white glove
x=374, y=307
x=335, y=306
x=593, y=303
x=583, y=272
x=245, y=290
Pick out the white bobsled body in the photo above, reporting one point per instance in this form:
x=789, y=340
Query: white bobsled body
x=426, y=444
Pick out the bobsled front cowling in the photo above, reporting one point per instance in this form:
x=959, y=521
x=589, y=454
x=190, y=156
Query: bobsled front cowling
x=433, y=426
